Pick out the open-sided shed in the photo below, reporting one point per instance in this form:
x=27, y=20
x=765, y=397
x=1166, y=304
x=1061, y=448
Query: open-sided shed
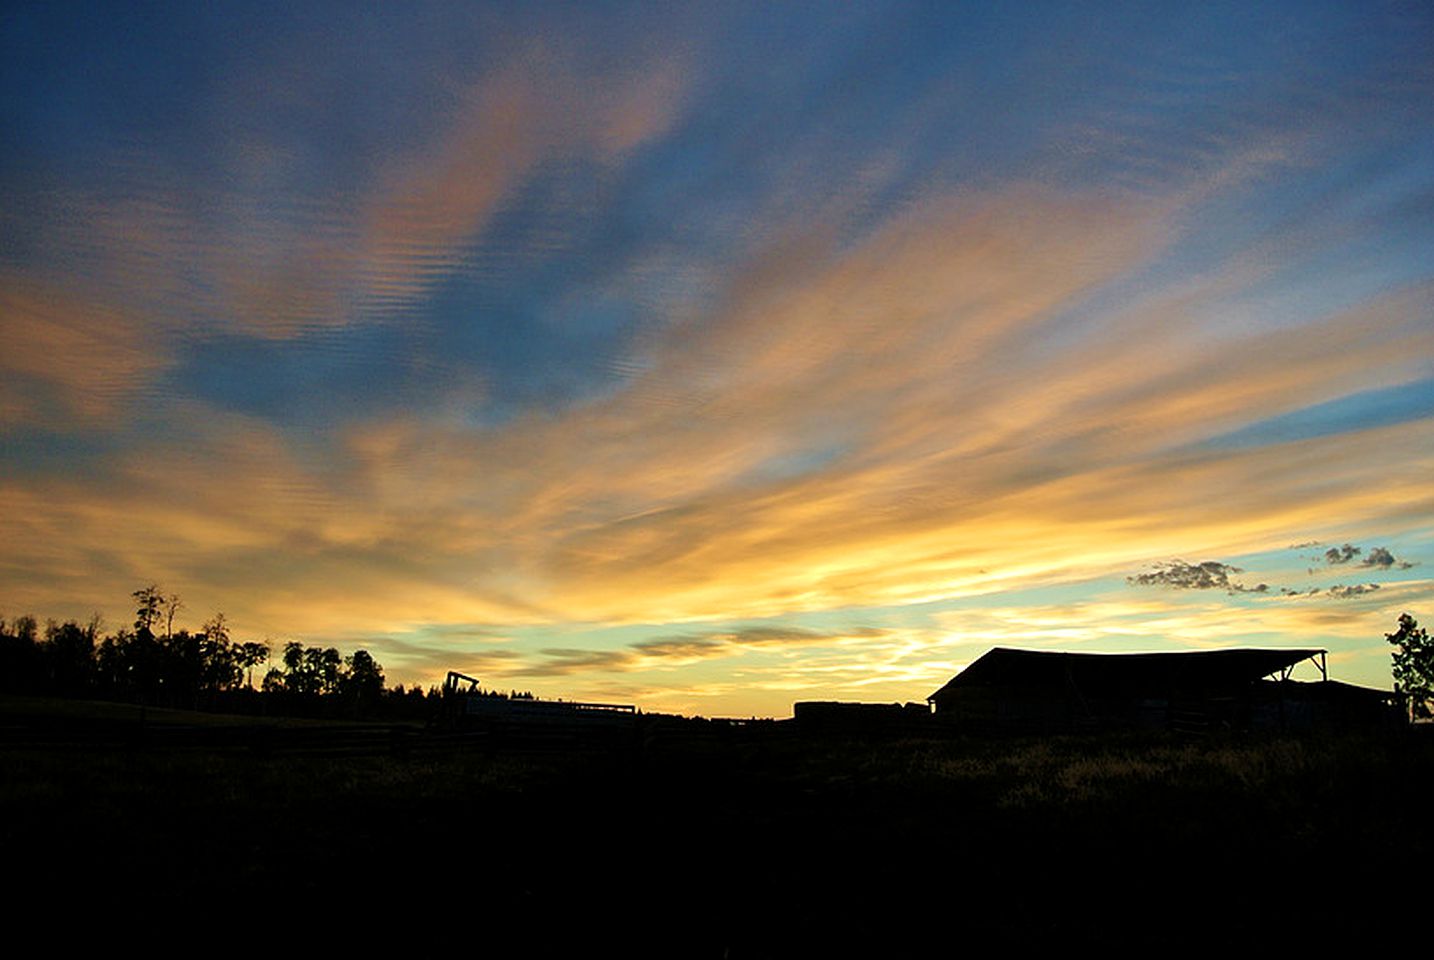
x=1239, y=689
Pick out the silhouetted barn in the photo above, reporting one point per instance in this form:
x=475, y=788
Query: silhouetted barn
x=1042, y=690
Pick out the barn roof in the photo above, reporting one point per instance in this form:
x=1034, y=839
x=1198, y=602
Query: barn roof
x=1122, y=672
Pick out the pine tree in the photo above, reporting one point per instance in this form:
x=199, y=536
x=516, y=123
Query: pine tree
x=1413, y=666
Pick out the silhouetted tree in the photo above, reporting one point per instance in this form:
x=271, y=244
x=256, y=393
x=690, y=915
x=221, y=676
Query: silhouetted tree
x=172, y=605
x=216, y=628
x=26, y=628
x=149, y=600
x=1413, y=666
x=181, y=669
x=70, y=652
x=327, y=666
x=293, y=678
x=22, y=666
x=220, y=659
x=130, y=664
x=363, y=680
x=273, y=682
x=250, y=655
x=110, y=664
x=311, y=671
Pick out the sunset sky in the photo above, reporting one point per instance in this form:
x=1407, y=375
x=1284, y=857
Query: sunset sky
x=711, y=357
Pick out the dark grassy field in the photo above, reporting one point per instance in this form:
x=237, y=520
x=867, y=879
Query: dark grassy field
x=764, y=844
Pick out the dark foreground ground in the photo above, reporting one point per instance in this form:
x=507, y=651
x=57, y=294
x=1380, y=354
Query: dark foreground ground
x=758, y=844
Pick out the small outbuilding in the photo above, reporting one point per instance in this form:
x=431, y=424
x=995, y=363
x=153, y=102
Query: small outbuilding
x=1043, y=690
x=826, y=716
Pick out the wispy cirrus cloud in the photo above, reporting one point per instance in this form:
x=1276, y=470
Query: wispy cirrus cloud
x=274, y=249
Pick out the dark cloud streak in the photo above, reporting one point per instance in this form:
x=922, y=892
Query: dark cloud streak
x=1207, y=575
x=1343, y=592
x=696, y=646
x=1381, y=557
x=1340, y=555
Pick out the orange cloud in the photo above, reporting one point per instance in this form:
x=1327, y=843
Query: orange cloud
x=69, y=359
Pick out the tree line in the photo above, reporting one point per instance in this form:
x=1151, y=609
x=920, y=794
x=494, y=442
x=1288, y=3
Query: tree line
x=152, y=663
